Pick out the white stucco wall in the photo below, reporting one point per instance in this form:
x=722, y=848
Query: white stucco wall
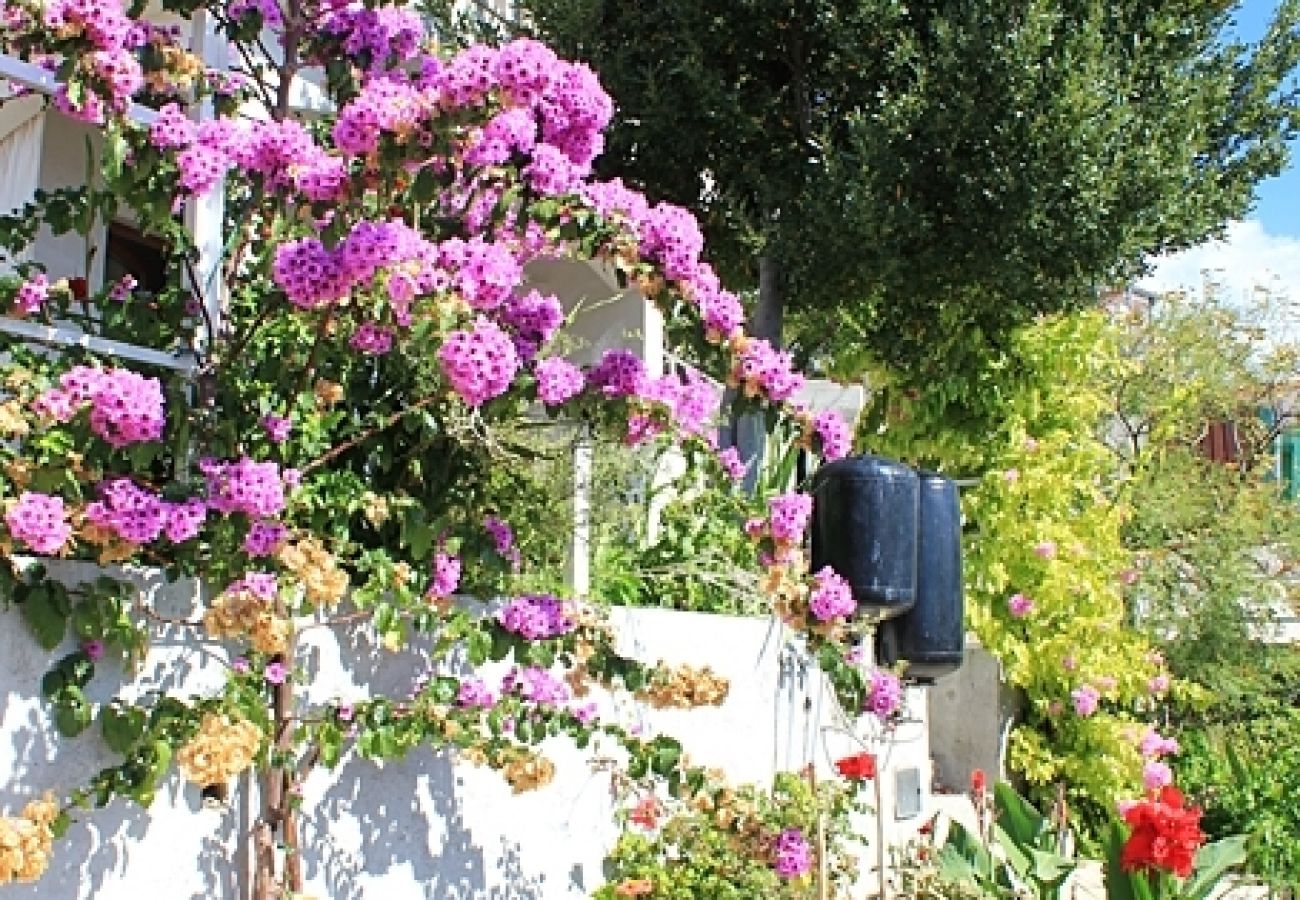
x=422, y=827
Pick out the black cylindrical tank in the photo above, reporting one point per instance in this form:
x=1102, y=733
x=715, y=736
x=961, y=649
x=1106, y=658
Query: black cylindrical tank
x=864, y=527
x=931, y=636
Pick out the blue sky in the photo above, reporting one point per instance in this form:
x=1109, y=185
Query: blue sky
x=1264, y=249
x=1278, y=207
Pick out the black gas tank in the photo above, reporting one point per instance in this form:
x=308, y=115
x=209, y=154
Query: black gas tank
x=931, y=636
x=864, y=527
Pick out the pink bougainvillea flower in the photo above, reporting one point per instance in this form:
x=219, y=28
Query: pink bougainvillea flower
x=1020, y=606
x=1086, y=700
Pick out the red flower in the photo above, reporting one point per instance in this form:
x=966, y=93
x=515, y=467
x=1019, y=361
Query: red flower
x=647, y=812
x=1166, y=835
x=978, y=782
x=80, y=290
x=859, y=767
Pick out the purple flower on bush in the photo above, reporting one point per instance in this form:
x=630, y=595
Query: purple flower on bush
x=39, y=521
x=791, y=854
x=884, y=694
x=1085, y=699
x=788, y=516
x=731, y=463
x=537, y=685
x=93, y=648
x=264, y=538
x=446, y=575
x=32, y=294
x=835, y=434
x=1156, y=775
x=558, y=380
x=480, y=363
x=277, y=428
x=276, y=673
x=503, y=538
x=1020, y=606
x=125, y=407
x=832, y=597
x=474, y=694
x=253, y=488
x=1154, y=745
x=537, y=617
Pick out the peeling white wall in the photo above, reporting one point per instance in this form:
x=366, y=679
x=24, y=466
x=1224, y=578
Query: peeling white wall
x=422, y=826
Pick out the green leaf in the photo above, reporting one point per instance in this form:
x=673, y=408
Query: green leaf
x=1016, y=816
x=1050, y=869
x=52, y=682
x=59, y=827
x=478, y=645
x=1212, y=862
x=47, y=622
x=72, y=712
x=964, y=858
x=1121, y=885
x=667, y=753
x=122, y=726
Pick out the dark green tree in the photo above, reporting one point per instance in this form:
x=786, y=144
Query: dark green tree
x=888, y=175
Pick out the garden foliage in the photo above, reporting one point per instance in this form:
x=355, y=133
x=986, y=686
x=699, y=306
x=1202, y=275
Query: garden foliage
x=352, y=451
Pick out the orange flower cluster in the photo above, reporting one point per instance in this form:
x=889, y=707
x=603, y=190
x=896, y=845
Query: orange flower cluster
x=527, y=771
x=684, y=687
x=327, y=393
x=178, y=71
x=220, y=750
x=12, y=421
x=239, y=612
x=317, y=569
x=26, y=841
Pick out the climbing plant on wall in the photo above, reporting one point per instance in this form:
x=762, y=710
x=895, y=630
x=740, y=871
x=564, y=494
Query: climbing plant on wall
x=346, y=455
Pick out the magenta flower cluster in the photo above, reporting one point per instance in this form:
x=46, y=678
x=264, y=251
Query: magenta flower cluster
x=1086, y=700
x=446, y=575
x=788, y=516
x=536, y=685
x=473, y=693
x=125, y=407
x=385, y=36
x=503, y=536
x=831, y=597
x=263, y=585
x=32, y=294
x=884, y=694
x=244, y=486
x=791, y=854
x=763, y=371
x=537, y=617
x=139, y=516
x=1020, y=605
x=112, y=37
x=39, y=521
x=558, y=380
x=480, y=363
x=264, y=538
x=834, y=433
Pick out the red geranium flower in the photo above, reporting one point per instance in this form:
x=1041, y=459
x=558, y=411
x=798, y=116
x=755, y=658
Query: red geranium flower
x=978, y=781
x=1166, y=835
x=647, y=812
x=858, y=767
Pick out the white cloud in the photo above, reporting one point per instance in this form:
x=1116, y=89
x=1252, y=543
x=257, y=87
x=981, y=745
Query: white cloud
x=1245, y=266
